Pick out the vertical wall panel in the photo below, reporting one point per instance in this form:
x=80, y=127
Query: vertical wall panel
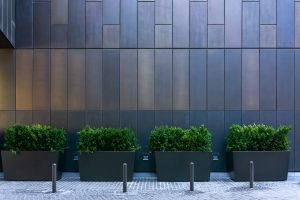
x=59, y=79
x=181, y=22
x=268, y=36
x=6, y=118
x=267, y=11
x=146, y=24
x=269, y=118
x=163, y=12
x=198, y=79
x=181, y=119
x=128, y=24
x=216, y=12
x=111, y=80
x=181, y=79
x=7, y=80
x=250, y=117
x=24, y=67
x=216, y=36
x=76, y=30
x=93, y=118
x=93, y=25
x=41, y=117
x=41, y=25
x=111, y=11
x=59, y=11
x=233, y=79
x=250, y=24
x=297, y=79
x=297, y=24
x=285, y=23
x=250, y=79
x=76, y=79
x=59, y=36
x=163, y=118
x=163, y=36
x=297, y=140
x=24, y=117
x=267, y=78
x=24, y=30
x=111, y=119
x=93, y=79
x=197, y=118
x=163, y=79
x=233, y=23
x=285, y=79
x=198, y=24
x=111, y=36
x=128, y=79
x=41, y=80
x=215, y=80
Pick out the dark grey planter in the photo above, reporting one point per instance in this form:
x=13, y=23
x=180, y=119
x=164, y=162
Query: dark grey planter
x=268, y=165
x=105, y=165
x=175, y=166
x=29, y=165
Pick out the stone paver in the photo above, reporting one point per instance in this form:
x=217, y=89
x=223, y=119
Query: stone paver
x=220, y=187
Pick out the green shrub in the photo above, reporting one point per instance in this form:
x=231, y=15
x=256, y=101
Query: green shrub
x=34, y=138
x=177, y=139
x=257, y=138
x=106, y=139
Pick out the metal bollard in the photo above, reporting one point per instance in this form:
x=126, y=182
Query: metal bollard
x=124, y=177
x=192, y=174
x=53, y=178
x=251, y=174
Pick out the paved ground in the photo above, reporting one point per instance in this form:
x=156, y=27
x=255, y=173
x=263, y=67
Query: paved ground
x=220, y=187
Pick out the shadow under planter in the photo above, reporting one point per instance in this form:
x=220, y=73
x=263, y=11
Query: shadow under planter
x=268, y=165
x=29, y=165
x=175, y=166
x=105, y=165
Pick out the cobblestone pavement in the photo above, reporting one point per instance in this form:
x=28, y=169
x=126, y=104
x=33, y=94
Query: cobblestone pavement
x=220, y=187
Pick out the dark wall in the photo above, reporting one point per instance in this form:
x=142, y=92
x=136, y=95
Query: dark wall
x=7, y=23
x=137, y=64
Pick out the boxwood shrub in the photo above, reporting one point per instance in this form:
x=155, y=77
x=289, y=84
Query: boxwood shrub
x=177, y=139
x=106, y=139
x=257, y=138
x=34, y=138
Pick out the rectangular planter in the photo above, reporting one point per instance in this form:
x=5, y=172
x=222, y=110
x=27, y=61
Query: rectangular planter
x=175, y=166
x=268, y=165
x=105, y=165
x=29, y=165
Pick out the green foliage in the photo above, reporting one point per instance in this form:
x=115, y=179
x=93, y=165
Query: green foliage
x=35, y=138
x=177, y=139
x=106, y=139
x=257, y=138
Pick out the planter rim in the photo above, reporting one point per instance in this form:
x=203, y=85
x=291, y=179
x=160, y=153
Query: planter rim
x=106, y=152
x=185, y=151
x=257, y=151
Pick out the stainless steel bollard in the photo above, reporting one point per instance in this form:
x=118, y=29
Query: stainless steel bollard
x=54, y=175
x=192, y=175
x=251, y=174
x=124, y=177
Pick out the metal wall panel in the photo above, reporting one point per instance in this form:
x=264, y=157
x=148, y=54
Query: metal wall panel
x=181, y=79
x=198, y=80
x=267, y=78
x=163, y=36
x=146, y=24
x=197, y=118
x=268, y=118
x=181, y=16
x=111, y=11
x=24, y=30
x=285, y=79
x=24, y=117
x=41, y=80
x=128, y=35
x=297, y=24
x=59, y=119
x=128, y=119
x=216, y=36
x=297, y=140
x=41, y=25
x=181, y=119
x=111, y=80
x=285, y=23
x=163, y=118
x=297, y=79
x=128, y=79
x=163, y=12
x=111, y=36
x=145, y=79
x=6, y=118
x=250, y=24
x=24, y=69
x=93, y=88
x=267, y=11
x=250, y=117
x=163, y=79
x=215, y=79
x=59, y=79
x=111, y=119
x=41, y=117
x=268, y=36
x=216, y=12
x=198, y=24
x=232, y=117
x=233, y=79
x=233, y=23
x=59, y=11
x=76, y=79
x=93, y=25
x=59, y=36
x=76, y=30
x=93, y=118
x=7, y=80
x=250, y=79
